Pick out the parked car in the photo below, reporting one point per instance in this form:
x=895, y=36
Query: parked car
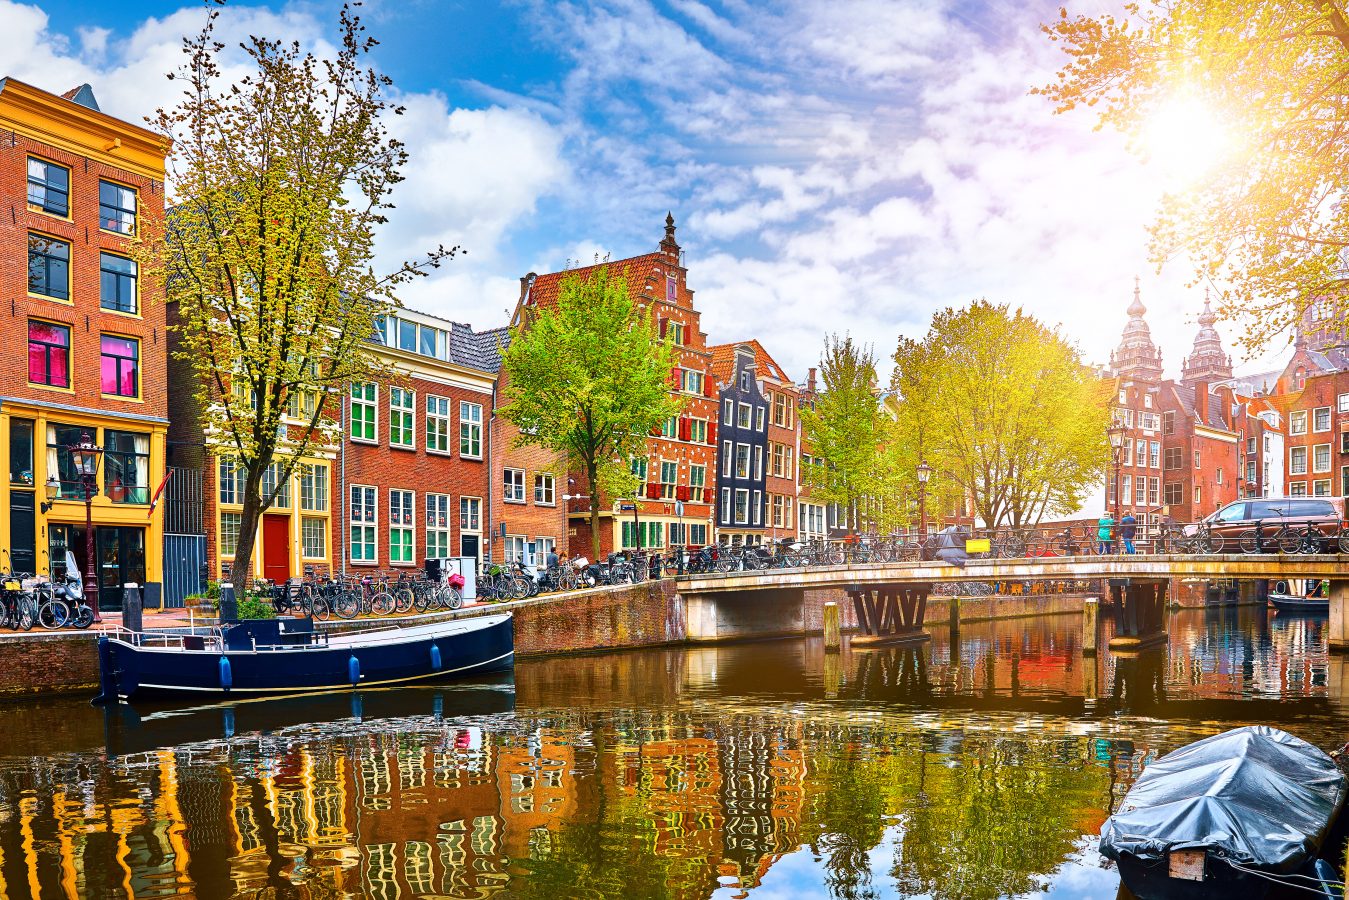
x=1237, y=523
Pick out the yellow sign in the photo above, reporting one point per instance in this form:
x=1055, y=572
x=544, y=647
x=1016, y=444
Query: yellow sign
x=977, y=545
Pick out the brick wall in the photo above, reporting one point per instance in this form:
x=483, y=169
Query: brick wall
x=38, y=664
x=534, y=518
x=82, y=312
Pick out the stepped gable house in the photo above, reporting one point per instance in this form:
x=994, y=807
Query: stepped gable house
x=679, y=467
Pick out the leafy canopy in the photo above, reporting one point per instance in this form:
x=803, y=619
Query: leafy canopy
x=1268, y=217
x=590, y=380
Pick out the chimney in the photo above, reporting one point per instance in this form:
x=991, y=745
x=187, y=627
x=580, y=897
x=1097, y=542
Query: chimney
x=810, y=380
x=525, y=284
x=1201, y=401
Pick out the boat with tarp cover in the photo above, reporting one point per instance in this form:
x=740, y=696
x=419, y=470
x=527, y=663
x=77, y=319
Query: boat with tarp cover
x=1233, y=815
x=283, y=656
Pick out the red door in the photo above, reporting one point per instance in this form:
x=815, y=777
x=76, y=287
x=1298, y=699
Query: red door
x=276, y=548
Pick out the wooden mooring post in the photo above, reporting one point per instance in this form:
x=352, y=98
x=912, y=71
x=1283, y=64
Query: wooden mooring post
x=832, y=637
x=1091, y=610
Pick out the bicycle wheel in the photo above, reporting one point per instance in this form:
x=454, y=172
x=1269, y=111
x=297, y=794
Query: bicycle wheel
x=1289, y=541
x=403, y=599
x=27, y=613
x=319, y=608
x=54, y=613
x=348, y=605
x=382, y=603
x=1214, y=543
x=1250, y=541
x=1343, y=542
x=454, y=598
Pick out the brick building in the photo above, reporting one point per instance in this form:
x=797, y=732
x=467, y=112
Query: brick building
x=85, y=340
x=679, y=469
x=417, y=452
x=742, y=435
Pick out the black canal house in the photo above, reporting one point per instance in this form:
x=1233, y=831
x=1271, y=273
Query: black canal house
x=743, y=433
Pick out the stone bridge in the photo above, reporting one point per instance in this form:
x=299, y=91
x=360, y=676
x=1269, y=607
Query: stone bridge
x=890, y=599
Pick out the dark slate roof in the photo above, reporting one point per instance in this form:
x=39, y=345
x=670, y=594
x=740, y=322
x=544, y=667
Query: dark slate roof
x=1185, y=396
x=479, y=349
x=84, y=96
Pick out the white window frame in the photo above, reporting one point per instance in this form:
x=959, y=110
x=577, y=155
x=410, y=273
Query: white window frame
x=728, y=412
x=739, y=520
x=372, y=404
x=313, y=490
x=760, y=417
x=305, y=523
x=1297, y=421
x=512, y=485
x=470, y=427
x=436, y=505
x=1321, y=487
x=470, y=524
x=758, y=462
x=1293, y=467
x=697, y=487
x=407, y=503
x=1317, y=428
x=668, y=488
x=738, y=468
x=438, y=421
x=725, y=506
x=545, y=489
x=744, y=416
x=357, y=517
x=1316, y=463
x=756, y=509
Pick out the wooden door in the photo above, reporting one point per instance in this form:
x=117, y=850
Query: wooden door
x=276, y=548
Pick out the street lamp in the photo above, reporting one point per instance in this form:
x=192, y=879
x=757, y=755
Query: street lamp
x=85, y=457
x=52, y=487
x=1116, y=431
x=924, y=473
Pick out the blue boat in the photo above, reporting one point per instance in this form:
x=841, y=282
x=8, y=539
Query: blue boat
x=287, y=656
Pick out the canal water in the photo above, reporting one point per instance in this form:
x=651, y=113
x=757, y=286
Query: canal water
x=976, y=768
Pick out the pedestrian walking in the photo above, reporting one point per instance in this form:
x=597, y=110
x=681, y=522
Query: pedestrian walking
x=1128, y=527
x=1105, y=527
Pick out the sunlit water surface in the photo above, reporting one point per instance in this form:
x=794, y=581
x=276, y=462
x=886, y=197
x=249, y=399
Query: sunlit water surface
x=978, y=768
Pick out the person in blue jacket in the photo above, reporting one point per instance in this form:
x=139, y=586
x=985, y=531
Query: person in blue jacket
x=1128, y=527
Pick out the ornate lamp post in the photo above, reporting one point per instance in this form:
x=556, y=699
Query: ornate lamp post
x=85, y=457
x=924, y=473
x=1116, y=432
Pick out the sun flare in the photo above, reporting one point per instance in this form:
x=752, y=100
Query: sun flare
x=1185, y=140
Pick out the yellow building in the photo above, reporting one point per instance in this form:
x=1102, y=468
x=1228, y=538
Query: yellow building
x=84, y=351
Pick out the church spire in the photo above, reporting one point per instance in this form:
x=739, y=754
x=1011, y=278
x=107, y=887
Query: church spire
x=1207, y=362
x=1137, y=357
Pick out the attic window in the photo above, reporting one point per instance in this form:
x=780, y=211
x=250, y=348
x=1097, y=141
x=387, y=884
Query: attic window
x=670, y=289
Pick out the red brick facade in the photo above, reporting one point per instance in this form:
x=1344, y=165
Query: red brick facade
x=535, y=513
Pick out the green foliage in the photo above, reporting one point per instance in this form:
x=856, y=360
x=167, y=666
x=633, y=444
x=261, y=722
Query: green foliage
x=846, y=429
x=1004, y=410
x=589, y=381
x=1267, y=216
x=281, y=178
x=252, y=607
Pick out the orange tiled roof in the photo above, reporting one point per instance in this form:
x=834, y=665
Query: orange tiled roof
x=638, y=270
x=723, y=362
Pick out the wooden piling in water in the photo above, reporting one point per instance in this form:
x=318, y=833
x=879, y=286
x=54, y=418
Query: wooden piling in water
x=832, y=638
x=1090, y=616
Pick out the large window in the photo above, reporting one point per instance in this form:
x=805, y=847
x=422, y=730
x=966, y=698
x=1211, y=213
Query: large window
x=1174, y=493
x=470, y=429
x=470, y=514
x=59, y=440
x=402, y=418
x=668, y=478
x=1297, y=461
x=639, y=468
x=126, y=466
x=742, y=460
x=401, y=528
x=691, y=381
x=1321, y=487
x=116, y=283
x=634, y=535
x=48, y=267
x=314, y=488
x=1154, y=454
x=21, y=451
x=1297, y=422
x=229, y=533
x=437, y=526
x=1321, y=458
x=116, y=208
x=48, y=353
x=314, y=537
x=697, y=483
x=273, y=479
x=513, y=485
x=782, y=410
x=438, y=424
x=1321, y=418
x=48, y=187
x=741, y=507
x=744, y=412
x=120, y=365
x=1175, y=458
x=544, y=489
x=231, y=481
x=698, y=431
x=364, y=518
x=364, y=411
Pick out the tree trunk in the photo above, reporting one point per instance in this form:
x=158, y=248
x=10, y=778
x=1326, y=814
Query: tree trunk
x=592, y=474
x=241, y=570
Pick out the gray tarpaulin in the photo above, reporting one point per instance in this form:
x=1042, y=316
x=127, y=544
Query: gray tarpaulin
x=1256, y=795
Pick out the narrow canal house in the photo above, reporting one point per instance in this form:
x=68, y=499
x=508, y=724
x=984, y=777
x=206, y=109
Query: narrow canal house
x=85, y=340
x=416, y=455
x=742, y=432
x=675, y=503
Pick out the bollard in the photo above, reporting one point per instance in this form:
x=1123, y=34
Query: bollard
x=953, y=615
x=131, y=607
x=1090, y=610
x=832, y=639
x=229, y=605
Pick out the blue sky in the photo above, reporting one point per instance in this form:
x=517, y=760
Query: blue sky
x=833, y=165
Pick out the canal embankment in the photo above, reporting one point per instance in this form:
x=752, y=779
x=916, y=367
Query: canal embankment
x=651, y=614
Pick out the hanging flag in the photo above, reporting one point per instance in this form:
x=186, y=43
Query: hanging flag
x=154, y=501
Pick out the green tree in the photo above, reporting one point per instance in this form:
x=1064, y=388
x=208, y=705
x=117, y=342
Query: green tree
x=845, y=429
x=1268, y=216
x=281, y=179
x=590, y=380
x=1004, y=410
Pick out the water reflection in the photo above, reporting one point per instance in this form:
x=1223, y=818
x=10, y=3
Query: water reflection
x=976, y=769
